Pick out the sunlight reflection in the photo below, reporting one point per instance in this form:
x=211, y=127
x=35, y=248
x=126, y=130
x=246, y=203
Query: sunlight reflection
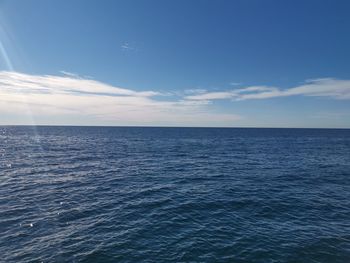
x=4, y=55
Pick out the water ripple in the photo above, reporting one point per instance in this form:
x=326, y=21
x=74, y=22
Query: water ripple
x=73, y=194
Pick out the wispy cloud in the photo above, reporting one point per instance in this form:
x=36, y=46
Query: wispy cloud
x=69, y=95
x=212, y=95
x=126, y=46
x=195, y=91
x=326, y=87
x=39, y=84
x=235, y=83
x=70, y=74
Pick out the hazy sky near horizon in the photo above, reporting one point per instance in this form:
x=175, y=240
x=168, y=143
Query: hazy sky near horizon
x=175, y=63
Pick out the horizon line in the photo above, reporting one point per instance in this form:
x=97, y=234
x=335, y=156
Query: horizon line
x=160, y=126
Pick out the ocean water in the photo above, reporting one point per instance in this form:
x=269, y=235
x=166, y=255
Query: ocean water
x=99, y=194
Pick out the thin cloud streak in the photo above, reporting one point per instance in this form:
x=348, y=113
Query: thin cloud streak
x=38, y=84
x=326, y=87
x=70, y=74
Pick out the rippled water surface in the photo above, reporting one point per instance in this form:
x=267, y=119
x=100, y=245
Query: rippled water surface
x=89, y=194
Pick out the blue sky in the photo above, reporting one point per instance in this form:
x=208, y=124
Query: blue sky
x=175, y=63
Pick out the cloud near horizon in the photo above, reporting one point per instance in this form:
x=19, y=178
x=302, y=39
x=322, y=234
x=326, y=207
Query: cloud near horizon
x=72, y=95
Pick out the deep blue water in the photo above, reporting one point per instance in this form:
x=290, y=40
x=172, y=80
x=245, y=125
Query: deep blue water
x=97, y=194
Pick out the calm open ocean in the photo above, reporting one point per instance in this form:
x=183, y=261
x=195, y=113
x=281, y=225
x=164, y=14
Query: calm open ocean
x=98, y=194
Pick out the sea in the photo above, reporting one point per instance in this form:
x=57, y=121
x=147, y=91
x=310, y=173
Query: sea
x=137, y=194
